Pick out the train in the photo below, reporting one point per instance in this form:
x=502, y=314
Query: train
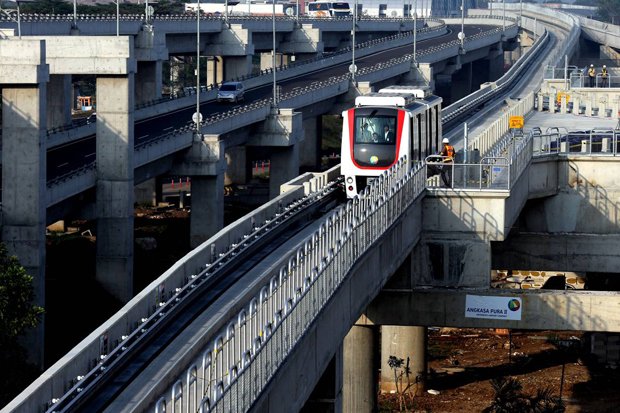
x=385, y=126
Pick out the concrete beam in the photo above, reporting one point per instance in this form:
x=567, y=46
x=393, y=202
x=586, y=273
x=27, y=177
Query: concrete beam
x=23, y=62
x=541, y=309
x=303, y=39
x=233, y=41
x=88, y=55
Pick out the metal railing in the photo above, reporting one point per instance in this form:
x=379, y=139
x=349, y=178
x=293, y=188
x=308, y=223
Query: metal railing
x=595, y=142
x=581, y=80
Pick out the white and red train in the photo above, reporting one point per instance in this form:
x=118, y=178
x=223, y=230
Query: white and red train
x=385, y=126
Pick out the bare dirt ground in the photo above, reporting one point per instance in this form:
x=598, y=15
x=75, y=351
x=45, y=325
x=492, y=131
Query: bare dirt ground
x=462, y=363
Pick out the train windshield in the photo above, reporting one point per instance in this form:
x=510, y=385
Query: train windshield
x=375, y=136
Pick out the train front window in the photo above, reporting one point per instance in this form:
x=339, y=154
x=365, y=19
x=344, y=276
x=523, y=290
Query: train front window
x=375, y=137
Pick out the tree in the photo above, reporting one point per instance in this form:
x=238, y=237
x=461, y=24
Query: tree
x=402, y=380
x=48, y=6
x=17, y=314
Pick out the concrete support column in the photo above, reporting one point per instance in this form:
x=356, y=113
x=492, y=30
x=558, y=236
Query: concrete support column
x=207, y=216
x=176, y=69
x=310, y=147
x=284, y=167
x=237, y=66
x=237, y=170
x=421, y=74
x=148, y=81
x=327, y=394
x=146, y=192
x=266, y=60
x=215, y=70
x=452, y=263
x=115, y=184
x=205, y=163
x=283, y=131
x=59, y=101
x=359, y=392
x=404, y=342
x=24, y=153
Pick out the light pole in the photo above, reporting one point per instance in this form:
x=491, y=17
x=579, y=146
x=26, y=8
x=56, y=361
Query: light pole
x=353, y=68
x=273, y=58
x=117, y=16
x=503, y=15
x=415, y=30
x=197, y=116
x=462, y=34
x=75, y=14
x=520, y=12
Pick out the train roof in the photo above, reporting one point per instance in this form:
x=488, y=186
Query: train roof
x=404, y=100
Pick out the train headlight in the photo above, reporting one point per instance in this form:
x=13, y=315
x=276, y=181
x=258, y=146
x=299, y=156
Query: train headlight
x=350, y=180
x=350, y=187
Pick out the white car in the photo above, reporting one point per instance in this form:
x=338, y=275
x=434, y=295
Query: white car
x=230, y=92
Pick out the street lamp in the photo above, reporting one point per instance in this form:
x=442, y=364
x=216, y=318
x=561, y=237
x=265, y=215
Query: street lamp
x=353, y=68
x=273, y=58
x=462, y=33
x=504, y=15
x=75, y=14
x=415, y=29
x=197, y=118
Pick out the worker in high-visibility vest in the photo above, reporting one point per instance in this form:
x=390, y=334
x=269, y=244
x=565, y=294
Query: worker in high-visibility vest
x=447, y=153
x=592, y=75
x=604, y=77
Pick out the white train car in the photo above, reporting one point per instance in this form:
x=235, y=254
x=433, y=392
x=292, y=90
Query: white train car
x=394, y=8
x=385, y=126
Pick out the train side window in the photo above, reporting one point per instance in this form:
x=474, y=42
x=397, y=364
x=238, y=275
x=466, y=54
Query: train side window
x=418, y=121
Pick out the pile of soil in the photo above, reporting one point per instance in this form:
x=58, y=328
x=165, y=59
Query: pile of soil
x=462, y=363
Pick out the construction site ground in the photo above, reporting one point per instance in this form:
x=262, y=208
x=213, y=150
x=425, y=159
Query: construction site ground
x=462, y=363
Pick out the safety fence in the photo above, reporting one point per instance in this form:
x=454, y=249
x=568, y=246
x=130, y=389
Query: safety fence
x=579, y=79
x=489, y=138
x=595, y=142
x=497, y=170
x=239, y=361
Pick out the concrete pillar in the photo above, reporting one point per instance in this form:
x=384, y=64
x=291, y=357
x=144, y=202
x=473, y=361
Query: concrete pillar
x=215, y=70
x=115, y=184
x=59, y=101
x=146, y=193
x=207, y=216
x=24, y=97
x=284, y=167
x=282, y=130
x=461, y=81
x=176, y=70
x=359, y=392
x=452, y=263
x=310, y=147
x=237, y=170
x=237, y=66
x=421, y=74
x=148, y=81
x=326, y=396
x=205, y=163
x=404, y=342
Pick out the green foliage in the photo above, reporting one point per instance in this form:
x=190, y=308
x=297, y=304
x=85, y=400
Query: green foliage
x=17, y=314
x=47, y=6
x=509, y=398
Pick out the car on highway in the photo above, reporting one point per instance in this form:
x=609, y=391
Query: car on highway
x=230, y=92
